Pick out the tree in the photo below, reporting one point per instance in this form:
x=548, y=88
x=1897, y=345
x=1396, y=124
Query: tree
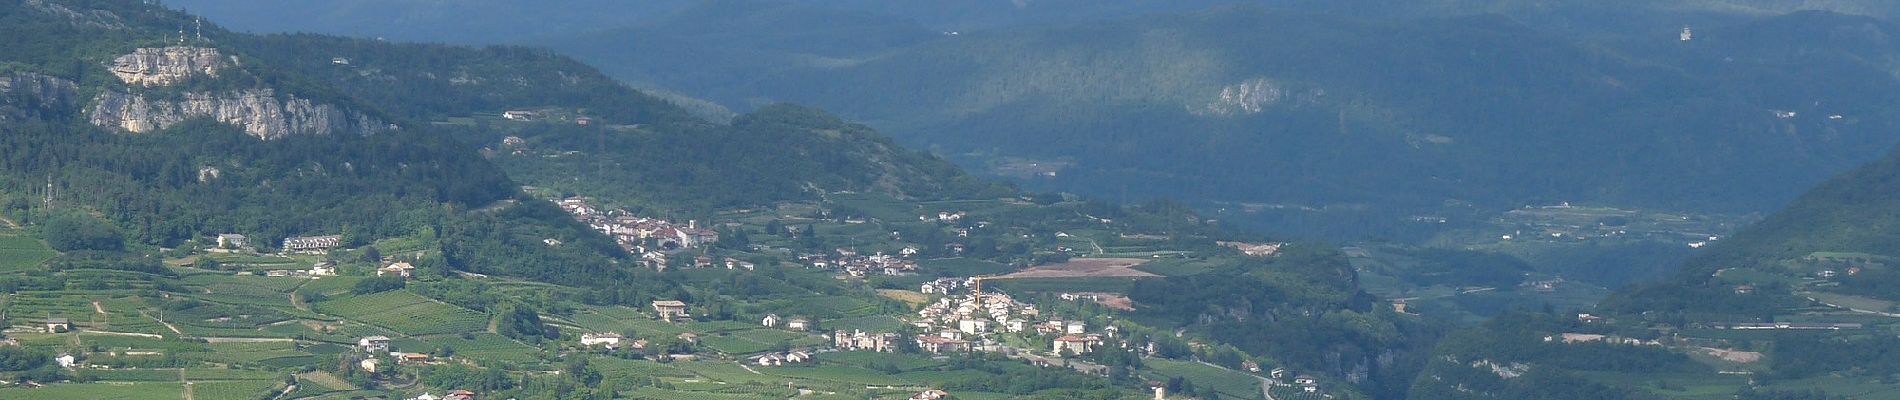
x=72, y=231
x=379, y=284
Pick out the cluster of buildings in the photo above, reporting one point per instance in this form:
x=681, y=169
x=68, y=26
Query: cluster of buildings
x=1596, y=338
x=308, y=244
x=651, y=238
x=858, y=340
x=780, y=359
x=796, y=324
x=953, y=321
x=1797, y=326
x=380, y=345
x=611, y=341
x=945, y=285
x=318, y=270
x=453, y=395
x=1255, y=249
x=859, y=265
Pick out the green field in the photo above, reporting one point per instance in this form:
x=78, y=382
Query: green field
x=235, y=390
x=1176, y=267
x=100, y=391
x=21, y=253
x=1230, y=384
x=963, y=267
x=484, y=346
x=407, y=313
x=875, y=323
x=904, y=362
x=1110, y=285
x=839, y=374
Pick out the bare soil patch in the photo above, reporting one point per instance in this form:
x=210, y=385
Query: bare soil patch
x=1086, y=268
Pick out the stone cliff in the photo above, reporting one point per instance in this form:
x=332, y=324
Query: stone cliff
x=167, y=66
x=260, y=112
x=30, y=95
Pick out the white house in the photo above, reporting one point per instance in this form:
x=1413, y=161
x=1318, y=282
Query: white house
x=1074, y=344
x=769, y=360
x=233, y=241
x=973, y=326
x=798, y=324
x=323, y=269
x=770, y=321
x=608, y=339
x=1077, y=327
x=373, y=344
x=402, y=269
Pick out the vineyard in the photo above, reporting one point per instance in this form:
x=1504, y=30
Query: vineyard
x=407, y=313
x=22, y=253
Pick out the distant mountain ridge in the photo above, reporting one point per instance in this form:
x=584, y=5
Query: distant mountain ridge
x=180, y=136
x=1480, y=104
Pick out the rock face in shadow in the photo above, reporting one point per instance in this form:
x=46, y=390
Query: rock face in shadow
x=30, y=95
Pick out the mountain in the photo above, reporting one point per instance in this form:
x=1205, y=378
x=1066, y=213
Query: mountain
x=1796, y=299
x=1230, y=106
x=177, y=138
x=1470, y=106
x=157, y=189
x=636, y=148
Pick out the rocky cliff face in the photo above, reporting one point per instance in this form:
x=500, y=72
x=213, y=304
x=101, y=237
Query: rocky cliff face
x=260, y=112
x=30, y=95
x=167, y=66
x=1254, y=96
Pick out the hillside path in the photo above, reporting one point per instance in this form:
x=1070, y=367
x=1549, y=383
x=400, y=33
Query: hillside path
x=168, y=325
x=181, y=377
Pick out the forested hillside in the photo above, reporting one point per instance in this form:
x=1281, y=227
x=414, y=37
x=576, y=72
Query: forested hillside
x=1465, y=103
x=635, y=147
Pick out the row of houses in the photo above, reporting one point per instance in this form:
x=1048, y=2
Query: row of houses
x=228, y=242
x=311, y=244
x=858, y=340
x=859, y=265
x=318, y=270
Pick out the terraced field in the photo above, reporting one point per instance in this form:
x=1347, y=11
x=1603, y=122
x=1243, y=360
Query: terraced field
x=486, y=347
x=100, y=391
x=407, y=313
x=1230, y=384
x=22, y=253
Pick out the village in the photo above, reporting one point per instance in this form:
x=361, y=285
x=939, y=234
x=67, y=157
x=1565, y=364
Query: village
x=402, y=325
x=653, y=240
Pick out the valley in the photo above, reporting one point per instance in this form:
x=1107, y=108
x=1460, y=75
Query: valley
x=1045, y=199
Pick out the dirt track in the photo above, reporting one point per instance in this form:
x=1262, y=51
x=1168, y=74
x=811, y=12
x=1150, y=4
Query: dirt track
x=1085, y=268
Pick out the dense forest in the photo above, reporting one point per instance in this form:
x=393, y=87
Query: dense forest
x=1303, y=307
